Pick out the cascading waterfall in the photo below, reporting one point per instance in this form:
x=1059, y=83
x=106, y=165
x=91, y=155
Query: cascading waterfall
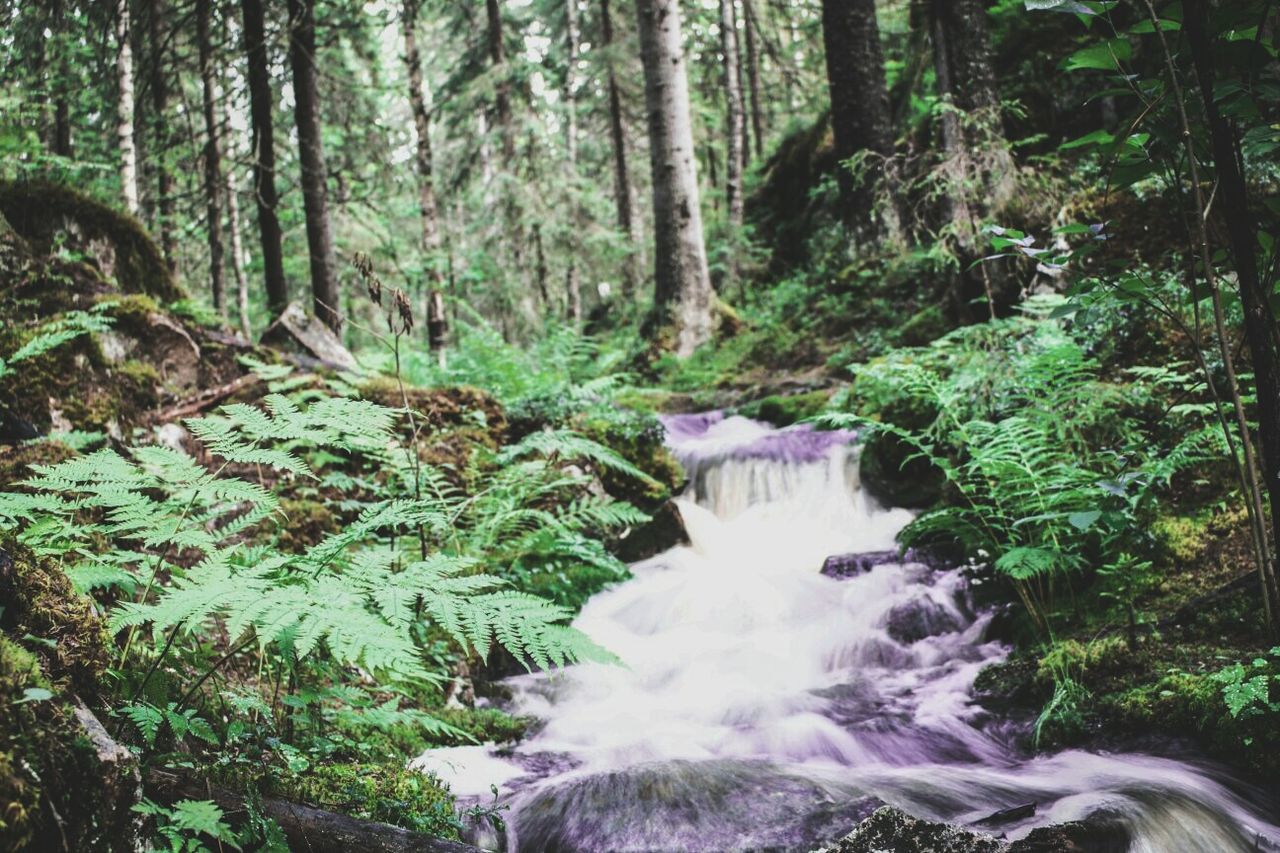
x=763, y=705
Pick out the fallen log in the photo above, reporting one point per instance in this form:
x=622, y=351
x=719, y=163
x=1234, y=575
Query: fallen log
x=307, y=829
x=206, y=399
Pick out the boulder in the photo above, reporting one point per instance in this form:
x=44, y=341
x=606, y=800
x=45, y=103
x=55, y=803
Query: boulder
x=45, y=214
x=918, y=618
x=891, y=830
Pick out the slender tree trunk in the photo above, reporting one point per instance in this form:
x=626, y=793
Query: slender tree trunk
x=573, y=283
x=502, y=94
x=164, y=140
x=124, y=108
x=426, y=180
x=212, y=159
x=306, y=94
x=735, y=117
x=859, y=103
x=1260, y=321
x=622, y=195
x=753, y=76
x=264, y=157
x=683, y=298
x=61, y=138
x=237, y=255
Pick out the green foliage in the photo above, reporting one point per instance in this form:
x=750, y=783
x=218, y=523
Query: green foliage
x=1037, y=495
x=187, y=825
x=1246, y=689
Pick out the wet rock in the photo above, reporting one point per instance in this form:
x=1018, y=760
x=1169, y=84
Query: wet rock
x=893, y=473
x=842, y=566
x=664, y=530
x=1008, y=686
x=689, y=806
x=892, y=830
x=918, y=618
x=1095, y=834
x=1008, y=815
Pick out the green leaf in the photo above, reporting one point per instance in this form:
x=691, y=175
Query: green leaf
x=34, y=694
x=1084, y=520
x=1105, y=56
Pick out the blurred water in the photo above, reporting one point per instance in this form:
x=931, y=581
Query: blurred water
x=763, y=705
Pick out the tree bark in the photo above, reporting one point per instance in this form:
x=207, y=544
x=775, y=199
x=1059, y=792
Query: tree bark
x=502, y=93
x=735, y=116
x=573, y=282
x=622, y=196
x=859, y=103
x=753, y=76
x=237, y=256
x=61, y=140
x=124, y=109
x=212, y=159
x=424, y=161
x=683, y=298
x=1260, y=321
x=306, y=94
x=163, y=137
x=264, y=157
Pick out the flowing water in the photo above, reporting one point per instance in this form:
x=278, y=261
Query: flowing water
x=763, y=705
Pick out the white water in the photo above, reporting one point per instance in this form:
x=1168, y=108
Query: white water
x=760, y=701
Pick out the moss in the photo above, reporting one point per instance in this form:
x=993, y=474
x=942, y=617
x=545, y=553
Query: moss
x=54, y=792
x=387, y=793
x=640, y=439
x=483, y=725
x=44, y=213
x=19, y=734
x=40, y=602
x=785, y=410
x=306, y=522
x=443, y=409
x=926, y=325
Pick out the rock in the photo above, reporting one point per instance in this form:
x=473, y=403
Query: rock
x=116, y=244
x=716, y=805
x=664, y=530
x=894, y=473
x=891, y=830
x=918, y=618
x=842, y=566
x=297, y=332
x=1009, y=815
x=1095, y=834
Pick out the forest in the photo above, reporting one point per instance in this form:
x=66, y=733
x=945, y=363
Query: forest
x=835, y=426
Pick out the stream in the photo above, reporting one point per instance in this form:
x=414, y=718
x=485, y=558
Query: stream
x=764, y=705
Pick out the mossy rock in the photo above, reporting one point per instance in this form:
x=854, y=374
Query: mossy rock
x=387, y=793
x=40, y=602
x=444, y=409
x=63, y=783
x=43, y=213
x=786, y=409
x=894, y=474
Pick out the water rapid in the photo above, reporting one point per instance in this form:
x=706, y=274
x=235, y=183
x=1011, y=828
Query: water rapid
x=764, y=705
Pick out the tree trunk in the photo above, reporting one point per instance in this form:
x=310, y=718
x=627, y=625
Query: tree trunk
x=753, y=77
x=1260, y=321
x=622, y=196
x=683, y=297
x=735, y=116
x=502, y=93
x=573, y=283
x=164, y=139
x=124, y=109
x=61, y=140
x=212, y=159
x=264, y=157
x=426, y=177
x=859, y=103
x=306, y=94
x=237, y=256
